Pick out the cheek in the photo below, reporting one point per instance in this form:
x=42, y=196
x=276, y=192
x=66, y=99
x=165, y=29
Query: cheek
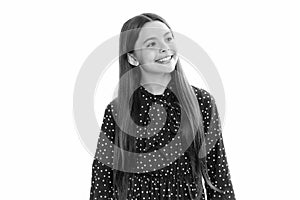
x=173, y=47
x=149, y=56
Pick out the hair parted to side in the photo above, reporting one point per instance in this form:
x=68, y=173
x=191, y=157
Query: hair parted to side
x=129, y=80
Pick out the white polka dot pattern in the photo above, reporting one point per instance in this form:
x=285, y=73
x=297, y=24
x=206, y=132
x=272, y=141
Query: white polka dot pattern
x=174, y=180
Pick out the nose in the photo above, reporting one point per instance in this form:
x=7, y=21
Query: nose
x=164, y=48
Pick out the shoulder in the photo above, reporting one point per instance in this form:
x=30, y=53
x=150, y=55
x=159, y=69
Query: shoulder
x=203, y=96
x=110, y=114
x=109, y=121
x=206, y=102
x=111, y=107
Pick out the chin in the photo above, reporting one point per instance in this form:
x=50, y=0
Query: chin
x=158, y=68
x=169, y=70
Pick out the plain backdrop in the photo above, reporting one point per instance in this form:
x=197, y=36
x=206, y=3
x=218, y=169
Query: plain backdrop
x=43, y=44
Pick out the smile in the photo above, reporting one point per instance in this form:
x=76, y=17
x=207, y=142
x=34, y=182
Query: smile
x=165, y=59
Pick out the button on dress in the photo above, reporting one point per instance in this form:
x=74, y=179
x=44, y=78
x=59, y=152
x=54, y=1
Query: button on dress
x=158, y=179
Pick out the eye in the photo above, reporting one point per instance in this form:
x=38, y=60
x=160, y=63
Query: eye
x=151, y=44
x=169, y=39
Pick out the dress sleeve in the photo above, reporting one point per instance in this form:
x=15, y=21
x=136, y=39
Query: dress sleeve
x=216, y=160
x=102, y=173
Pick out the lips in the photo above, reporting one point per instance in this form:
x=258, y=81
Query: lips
x=164, y=59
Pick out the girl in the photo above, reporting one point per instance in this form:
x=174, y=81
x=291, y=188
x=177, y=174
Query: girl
x=169, y=144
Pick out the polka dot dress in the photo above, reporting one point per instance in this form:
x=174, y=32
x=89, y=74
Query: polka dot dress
x=158, y=176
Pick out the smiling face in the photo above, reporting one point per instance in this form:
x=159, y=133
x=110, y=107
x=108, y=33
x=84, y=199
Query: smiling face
x=155, y=49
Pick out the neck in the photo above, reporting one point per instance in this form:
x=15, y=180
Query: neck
x=156, y=84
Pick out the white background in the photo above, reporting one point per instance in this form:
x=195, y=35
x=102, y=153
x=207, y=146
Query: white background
x=254, y=45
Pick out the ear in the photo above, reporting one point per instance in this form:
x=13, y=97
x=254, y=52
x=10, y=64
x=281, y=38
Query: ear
x=132, y=60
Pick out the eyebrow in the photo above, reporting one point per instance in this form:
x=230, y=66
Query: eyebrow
x=151, y=38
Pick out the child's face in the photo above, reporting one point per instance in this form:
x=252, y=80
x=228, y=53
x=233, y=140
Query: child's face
x=155, y=42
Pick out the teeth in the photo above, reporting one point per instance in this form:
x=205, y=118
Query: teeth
x=164, y=59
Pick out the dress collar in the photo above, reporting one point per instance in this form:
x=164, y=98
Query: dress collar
x=168, y=90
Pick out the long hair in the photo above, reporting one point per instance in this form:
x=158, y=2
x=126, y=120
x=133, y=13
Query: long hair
x=128, y=81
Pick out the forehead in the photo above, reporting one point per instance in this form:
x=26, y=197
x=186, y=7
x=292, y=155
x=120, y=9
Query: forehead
x=152, y=29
